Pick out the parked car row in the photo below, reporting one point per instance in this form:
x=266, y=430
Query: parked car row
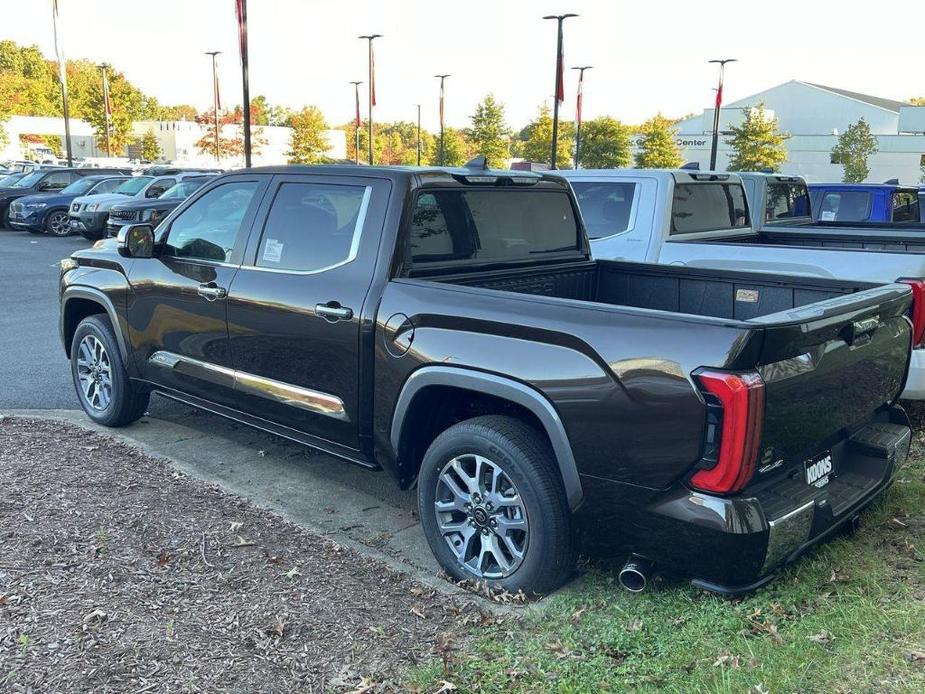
x=60, y=201
x=693, y=386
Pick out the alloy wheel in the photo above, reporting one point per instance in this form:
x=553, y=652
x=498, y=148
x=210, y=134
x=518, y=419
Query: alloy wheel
x=94, y=371
x=59, y=224
x=481, y=516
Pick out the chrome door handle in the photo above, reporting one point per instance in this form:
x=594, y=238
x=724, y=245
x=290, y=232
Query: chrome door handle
x=210, y=292
x=332, y=311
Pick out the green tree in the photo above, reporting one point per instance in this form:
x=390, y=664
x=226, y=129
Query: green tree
x=489, y=134
x=852, y=150
x=150, y=149
x=308, y=144
x=757, y=143
x=605, y=144
x=457, y=149
x=917, y=101
x=658, y=146
x=537, y=140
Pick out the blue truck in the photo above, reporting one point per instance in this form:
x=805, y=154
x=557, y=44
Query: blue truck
x=866, y=202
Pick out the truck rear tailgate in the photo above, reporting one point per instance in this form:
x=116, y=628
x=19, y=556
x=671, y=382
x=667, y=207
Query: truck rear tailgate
x=828, y=367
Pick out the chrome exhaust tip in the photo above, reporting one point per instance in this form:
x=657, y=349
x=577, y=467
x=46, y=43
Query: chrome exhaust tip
x=634, y=576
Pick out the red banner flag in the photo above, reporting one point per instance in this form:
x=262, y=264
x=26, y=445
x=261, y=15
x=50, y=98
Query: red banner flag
x=441, y=104
x=581, y=80
x=560, y=76
x=106, y=101
x=719, y=96
x=372, y=75
x=241, y=12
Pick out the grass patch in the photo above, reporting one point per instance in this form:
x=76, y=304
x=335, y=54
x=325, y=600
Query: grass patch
x=847, y=617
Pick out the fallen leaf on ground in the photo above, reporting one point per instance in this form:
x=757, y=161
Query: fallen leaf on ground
x=575, y=619
x=445, y=687
x=727, y=660
x=823, y=638
x=635, y=625
x=916, y=656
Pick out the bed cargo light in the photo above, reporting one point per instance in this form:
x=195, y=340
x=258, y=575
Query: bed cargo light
x=741, y=397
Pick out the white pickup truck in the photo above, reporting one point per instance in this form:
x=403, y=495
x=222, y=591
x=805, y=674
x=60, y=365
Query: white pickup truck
x=702, y=220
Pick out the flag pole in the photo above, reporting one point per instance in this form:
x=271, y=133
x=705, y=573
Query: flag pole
x=560, y=85
x=718, y=105
x=62, y=77
x=357, y=122
x=578, y=100
x=372, y=89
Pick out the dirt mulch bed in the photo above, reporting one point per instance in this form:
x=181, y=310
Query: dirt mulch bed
x=119, y=574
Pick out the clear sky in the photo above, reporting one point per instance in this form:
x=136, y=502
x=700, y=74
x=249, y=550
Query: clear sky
x=648, y=56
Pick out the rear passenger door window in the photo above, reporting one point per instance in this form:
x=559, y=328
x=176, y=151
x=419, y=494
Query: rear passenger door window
x=312, y=227
x=57, y=180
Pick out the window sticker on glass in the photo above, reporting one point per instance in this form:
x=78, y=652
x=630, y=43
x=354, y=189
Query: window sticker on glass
x=273, y=251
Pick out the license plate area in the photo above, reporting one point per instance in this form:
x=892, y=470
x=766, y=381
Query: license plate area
x=819, y=470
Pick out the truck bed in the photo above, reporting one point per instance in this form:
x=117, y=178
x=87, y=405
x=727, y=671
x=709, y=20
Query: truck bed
x=860, y=238
x=724, y=294
x=805, y=335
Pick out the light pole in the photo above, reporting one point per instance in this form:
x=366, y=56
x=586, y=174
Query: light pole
x=241, y=12
x=215, y=99
x=719, y=103
x=419, y=133
x=357, y=121
x=581, y=82
x=107, y=111
x=442, y=79
x=372, y=89
x=62, y=77
x=560, y=84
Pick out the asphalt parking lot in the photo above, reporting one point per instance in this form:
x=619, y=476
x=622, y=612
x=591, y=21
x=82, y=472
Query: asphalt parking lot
x=311, y=489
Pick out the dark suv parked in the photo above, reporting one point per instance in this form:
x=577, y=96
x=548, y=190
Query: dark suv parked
x=153, y=210
x=48, y=212
x=45, y=181
x=451, y=328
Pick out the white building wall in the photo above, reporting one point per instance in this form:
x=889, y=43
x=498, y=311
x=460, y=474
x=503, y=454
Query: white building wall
x=814, y=116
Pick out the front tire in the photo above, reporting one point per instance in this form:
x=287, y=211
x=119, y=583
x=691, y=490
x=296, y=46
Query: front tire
x=57, y=223
x=103, y=387
x=493, y=506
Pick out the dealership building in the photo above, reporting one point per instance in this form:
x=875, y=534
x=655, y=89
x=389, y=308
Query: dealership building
x=814, y=115
x=176, y=140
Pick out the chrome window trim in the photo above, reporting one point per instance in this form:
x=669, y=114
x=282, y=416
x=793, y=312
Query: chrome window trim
x=354, y=243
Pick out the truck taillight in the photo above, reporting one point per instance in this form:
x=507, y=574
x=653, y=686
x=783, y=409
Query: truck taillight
x=738, y=402
x=918, y=310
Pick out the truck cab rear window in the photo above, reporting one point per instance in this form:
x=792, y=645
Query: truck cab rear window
x=701, y=207
x=491, y=226
x=605, y=207
x=786, y=201
x=845, y=206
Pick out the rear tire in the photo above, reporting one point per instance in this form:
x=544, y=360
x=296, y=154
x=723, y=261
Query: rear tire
x=493, y=507
x=103, y=387
x=57, y=223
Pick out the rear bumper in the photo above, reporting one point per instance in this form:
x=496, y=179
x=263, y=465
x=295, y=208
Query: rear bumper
x=734, y=545
x=915, y=381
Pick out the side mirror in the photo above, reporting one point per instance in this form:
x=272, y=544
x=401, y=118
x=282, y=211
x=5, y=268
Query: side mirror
x=136, y=241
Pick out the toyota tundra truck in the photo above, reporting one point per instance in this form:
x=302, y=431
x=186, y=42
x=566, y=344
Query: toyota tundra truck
x=450, y=328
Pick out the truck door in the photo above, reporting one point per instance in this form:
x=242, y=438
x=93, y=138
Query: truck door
x=177, y=309
x=295, y=306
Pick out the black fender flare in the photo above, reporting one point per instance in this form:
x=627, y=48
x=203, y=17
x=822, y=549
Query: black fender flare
x=501, y=387
x=95, y=295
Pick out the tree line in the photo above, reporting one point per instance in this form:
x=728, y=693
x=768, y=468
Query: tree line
x=29, y=86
